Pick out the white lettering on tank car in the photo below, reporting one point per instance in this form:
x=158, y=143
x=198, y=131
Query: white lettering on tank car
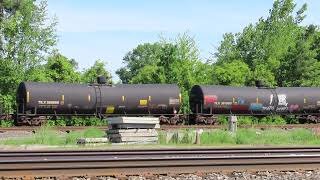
x=282, y=100
x=271, y=99
x=49, y=102
x=173, y=101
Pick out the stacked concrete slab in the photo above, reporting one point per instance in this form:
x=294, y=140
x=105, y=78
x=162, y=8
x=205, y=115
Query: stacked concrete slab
x=133, y=130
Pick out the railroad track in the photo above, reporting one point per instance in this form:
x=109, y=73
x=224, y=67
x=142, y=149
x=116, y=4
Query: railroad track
x=58, y=128
x=93, y=163
x=285, y=126
x=164, y=127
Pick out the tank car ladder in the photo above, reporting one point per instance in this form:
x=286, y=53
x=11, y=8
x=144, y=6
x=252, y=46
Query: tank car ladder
x=97, y=91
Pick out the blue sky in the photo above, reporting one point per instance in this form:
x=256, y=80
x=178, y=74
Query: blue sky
x=107, y=30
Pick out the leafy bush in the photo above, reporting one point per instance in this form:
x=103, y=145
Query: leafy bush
x=7, y=103
x=272, y=120
x=223, y=120
x=77, y=121
x=6, y=123
x=245, y=120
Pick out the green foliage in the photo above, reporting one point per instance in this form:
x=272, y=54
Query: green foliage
x=60, y=69
x=258, y=137
x=73, y=136
x=6, y=123
x=77, y=121
x=27, y=35
x=6, y=104
x=98, y=69
x=223, y=120
x=46, y=136
x=167, y=61
x=217, y=137
x=27, y=50
x=292, y=120
x=235, y=73
x=245, y=120
x=276, y=49
x=277, y=120
x=148, y=74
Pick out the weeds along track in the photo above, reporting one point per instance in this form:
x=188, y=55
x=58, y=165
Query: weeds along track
x=163, y=127
x=35, y=164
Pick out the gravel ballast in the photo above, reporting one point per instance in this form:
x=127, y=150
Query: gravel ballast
x=263, y=175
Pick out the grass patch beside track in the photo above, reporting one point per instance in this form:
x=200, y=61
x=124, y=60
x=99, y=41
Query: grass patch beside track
x=216, y=137
x=46, y=136
x=243, y=137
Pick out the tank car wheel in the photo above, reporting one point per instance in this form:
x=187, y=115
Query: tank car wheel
x=30, y=121
x=175, y=120
x=164, y=120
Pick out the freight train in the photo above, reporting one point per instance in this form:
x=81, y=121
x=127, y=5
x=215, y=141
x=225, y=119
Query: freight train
x=37, y=102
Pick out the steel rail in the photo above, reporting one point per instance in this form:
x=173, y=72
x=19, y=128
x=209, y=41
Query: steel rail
x=161, y=161
x=58, y=128
x=162, y=151
x=258, y=126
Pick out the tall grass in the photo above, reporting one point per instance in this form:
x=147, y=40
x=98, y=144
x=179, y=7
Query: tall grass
x=46, y=136
x=247, y=137
x=251, y=120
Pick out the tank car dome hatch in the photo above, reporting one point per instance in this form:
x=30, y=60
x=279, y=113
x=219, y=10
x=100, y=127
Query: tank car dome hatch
x=259, y=83
x=101, y=80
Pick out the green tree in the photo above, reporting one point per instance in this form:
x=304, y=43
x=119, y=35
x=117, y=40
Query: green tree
x=98, y=69
x=236, y=73
x=61, y=69
x=300, y=60
x=175, y=61
x=167, y=61
x=27, y=36
x=149, y=74
x=264, y=46
x=144, y=54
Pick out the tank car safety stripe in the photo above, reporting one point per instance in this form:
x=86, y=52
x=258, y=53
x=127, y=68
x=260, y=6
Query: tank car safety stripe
x=89, y=98
x=257, y=100
x=62, y=97
x=304, y=100
x=123, y=98
x=149, y=98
